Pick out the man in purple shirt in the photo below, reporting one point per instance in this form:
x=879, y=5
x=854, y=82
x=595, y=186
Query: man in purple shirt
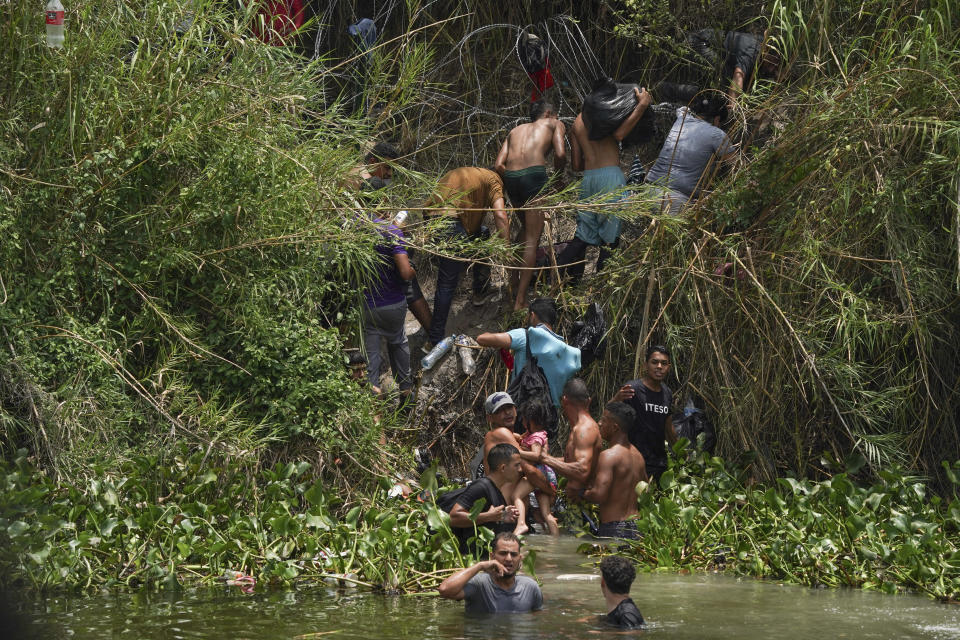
x=385, y=308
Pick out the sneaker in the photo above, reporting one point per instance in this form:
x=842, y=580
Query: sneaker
x=481, y=298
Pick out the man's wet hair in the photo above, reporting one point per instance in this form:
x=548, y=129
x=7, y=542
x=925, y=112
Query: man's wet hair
x=501, y=454
x=618, y=574
x=536, y=411
x=576, y=390
x=657, y=348
x=622, y=413
x=540, y=107
x=355, y=358
x=546, y=310
x=382, y=152
x=507, y=536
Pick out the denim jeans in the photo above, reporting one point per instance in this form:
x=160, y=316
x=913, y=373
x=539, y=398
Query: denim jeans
x=387, y=322
x=449, y=272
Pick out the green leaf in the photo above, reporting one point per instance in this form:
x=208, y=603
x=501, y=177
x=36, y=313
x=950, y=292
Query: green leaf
x=315, y=495
x=352, y=516
x=17, y=529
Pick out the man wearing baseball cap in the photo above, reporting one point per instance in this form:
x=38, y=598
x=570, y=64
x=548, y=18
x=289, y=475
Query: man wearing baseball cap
x=501, y=414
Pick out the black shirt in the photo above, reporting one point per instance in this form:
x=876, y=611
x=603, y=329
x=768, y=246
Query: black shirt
x=482, y=489
x=626, y=615
x=647, y=432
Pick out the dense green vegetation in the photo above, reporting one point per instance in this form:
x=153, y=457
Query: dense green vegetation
x=179, y=273
x=835, y=326
x=190, y=518
x=889, y=535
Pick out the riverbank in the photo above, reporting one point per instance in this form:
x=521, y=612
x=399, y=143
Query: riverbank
x=187, y=520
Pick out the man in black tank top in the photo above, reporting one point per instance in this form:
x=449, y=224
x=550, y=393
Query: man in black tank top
x=651, y=399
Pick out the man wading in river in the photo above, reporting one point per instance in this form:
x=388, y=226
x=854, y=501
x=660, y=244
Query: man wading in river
x=619, y=469
x=522, y=163
x=497, y=514
x=579, y=460
x=651, y=399
x=501, y=416
x=493, y=586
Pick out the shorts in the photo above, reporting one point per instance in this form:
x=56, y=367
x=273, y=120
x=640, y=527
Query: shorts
x=623, y=529
x=603, y=227
x=524, y=184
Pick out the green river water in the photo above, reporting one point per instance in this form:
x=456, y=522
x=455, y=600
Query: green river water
x=675, y=606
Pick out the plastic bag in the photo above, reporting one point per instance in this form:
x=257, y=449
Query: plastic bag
x=693, y=425
x=588, y=335
x=608, y=105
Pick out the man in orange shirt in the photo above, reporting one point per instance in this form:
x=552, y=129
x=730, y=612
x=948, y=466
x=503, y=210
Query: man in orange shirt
x=467, y=193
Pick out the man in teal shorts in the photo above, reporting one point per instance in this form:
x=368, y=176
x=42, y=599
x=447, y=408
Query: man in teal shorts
x=522, y=163
x=600, y=162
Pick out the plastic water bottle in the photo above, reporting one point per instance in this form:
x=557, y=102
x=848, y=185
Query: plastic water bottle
x=54, y=12
x=400, y=218
x=466, y=355
x=436, y=353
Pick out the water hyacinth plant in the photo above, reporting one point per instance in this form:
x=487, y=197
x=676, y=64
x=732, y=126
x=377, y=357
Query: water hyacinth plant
x=890, y=534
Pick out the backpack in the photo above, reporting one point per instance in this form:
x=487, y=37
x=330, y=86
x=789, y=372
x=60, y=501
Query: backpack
x=588, y=335
x=528, y=383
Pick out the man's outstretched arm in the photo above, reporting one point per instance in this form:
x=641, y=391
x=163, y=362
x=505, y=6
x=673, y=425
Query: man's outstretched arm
x=579, y=469
x=495, y=340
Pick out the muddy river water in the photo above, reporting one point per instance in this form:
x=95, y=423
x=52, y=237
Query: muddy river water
x=675, y=606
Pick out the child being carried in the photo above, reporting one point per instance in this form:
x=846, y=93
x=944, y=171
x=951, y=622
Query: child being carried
x=534, y=415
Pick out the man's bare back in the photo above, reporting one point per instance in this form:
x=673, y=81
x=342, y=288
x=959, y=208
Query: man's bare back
x=528, y=145
x=622, y=466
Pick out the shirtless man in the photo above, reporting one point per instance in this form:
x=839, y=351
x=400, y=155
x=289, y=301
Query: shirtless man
x=501, y=416
x=579, y=460
x=619, y=469
x=522, y=163
x=600, y=162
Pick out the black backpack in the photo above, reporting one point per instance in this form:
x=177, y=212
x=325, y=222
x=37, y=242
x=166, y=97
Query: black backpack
x=528, y=383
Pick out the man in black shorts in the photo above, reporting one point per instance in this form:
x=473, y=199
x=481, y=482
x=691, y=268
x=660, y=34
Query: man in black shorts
x=651, y=399
x=617, y=575
x=522, y=163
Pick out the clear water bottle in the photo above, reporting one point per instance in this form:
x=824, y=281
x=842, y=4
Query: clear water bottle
x=466, y=355
x=400, y=218
x=436, y=353
x=54, y=13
